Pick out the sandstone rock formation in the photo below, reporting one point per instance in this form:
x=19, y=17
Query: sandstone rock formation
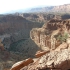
x=40, y=53
x=54, y=40
x=47, y=36
x=21, y=64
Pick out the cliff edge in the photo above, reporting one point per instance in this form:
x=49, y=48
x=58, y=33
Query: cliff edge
x=54, y=40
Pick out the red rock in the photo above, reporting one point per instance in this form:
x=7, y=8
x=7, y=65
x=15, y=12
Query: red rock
x=39, y=53
x=22, y=64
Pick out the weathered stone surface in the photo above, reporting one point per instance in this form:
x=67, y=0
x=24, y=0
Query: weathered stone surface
x=55, y=59
x=39, y=53
x=21, y=64
x=51, y=61
x=68, y=41
x=62, y=46
x=46, y=37
x=53, y=36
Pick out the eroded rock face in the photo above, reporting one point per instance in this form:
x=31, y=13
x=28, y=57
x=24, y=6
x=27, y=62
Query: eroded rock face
x=46, y=37
x=55, y=38
x=21, y=64
x=52, y=61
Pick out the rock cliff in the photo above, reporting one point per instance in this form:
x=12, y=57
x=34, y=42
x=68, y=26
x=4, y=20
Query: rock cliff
x=54, y=40
x=51, y=35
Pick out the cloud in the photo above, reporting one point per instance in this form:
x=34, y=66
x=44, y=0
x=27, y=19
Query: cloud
x=8, y=5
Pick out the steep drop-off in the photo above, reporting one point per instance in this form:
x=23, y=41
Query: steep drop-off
x=56, y=54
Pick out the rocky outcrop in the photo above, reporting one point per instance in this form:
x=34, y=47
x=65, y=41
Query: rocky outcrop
x=47, y=37
x=54, y=60
x=40, y=53
x=21, y=64
x=54, y=39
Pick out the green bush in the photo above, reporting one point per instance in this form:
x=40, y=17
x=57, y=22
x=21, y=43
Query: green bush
x=62, y=38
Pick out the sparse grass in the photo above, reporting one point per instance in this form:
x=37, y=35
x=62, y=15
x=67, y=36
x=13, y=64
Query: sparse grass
x=62, y=38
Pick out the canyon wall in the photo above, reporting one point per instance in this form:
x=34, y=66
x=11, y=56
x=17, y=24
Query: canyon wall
x=46, y=37
x=54, y=40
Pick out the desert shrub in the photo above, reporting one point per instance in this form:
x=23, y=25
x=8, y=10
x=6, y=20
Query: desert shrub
x=62, y=38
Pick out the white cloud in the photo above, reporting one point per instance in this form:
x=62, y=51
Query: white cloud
x=8, y=5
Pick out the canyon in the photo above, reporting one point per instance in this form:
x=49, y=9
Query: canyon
x=22, y=35
x=54, y=40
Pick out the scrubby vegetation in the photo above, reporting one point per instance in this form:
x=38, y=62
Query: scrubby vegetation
x=62, y=38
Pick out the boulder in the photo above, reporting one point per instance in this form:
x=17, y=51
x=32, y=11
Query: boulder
x=21, y=64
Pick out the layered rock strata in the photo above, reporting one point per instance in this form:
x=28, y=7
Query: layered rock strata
x=46, y=37
x=54, y=40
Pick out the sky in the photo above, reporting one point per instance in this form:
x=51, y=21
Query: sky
x=10, y=5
